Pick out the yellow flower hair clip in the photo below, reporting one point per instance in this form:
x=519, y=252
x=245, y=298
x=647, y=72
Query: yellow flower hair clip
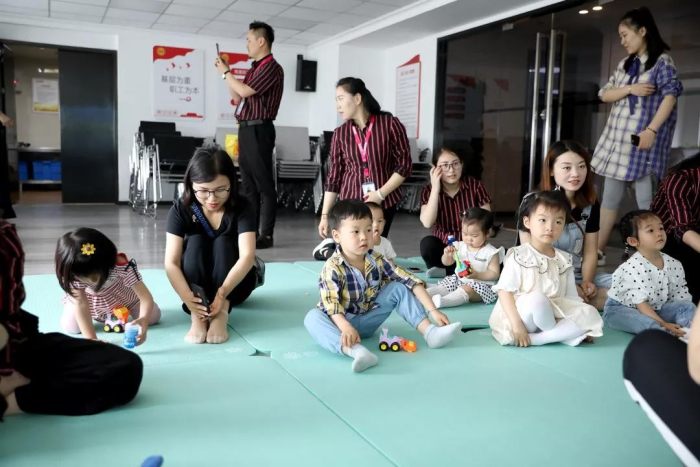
x=87, y=249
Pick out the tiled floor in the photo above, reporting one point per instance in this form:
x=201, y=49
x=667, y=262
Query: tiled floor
x=143, y=238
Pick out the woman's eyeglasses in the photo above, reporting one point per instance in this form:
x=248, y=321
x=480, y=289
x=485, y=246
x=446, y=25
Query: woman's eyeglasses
x=450, y=165
x=218, y=193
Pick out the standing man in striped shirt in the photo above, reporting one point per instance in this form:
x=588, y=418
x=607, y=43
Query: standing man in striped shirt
x=257, y=100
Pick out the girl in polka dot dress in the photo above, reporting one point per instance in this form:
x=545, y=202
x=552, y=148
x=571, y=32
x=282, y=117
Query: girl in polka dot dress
x=649, y=290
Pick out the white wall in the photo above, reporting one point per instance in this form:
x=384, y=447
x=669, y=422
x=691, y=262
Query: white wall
x=322, y=115
x=134, y=74
x=40, y=129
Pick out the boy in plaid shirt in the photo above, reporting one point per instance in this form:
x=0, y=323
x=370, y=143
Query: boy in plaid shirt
x=359, y=290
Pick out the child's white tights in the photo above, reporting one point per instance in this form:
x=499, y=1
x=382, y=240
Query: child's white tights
x=537, y=314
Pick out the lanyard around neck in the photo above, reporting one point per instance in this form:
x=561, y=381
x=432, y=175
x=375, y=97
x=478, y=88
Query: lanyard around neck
x=363, y=147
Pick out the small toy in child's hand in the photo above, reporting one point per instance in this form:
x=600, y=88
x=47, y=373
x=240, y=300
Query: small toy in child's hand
x=395, y=343
x=121, y=313
x=130, y=335
x=463, y=268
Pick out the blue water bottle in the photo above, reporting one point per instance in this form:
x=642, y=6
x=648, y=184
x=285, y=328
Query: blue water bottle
x=130, y=335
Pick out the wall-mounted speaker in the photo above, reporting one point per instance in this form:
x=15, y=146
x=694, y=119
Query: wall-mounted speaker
x=306, y=74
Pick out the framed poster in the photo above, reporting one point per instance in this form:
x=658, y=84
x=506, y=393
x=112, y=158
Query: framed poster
x=44, y=95
x=408, y=95
x=178, y=82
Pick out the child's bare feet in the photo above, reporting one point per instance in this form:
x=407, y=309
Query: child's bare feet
x=198, y=331
x=218, y=328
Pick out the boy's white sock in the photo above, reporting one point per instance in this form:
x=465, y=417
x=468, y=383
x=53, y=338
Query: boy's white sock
x=455, y=298
x=439, y=336
x=362, y=358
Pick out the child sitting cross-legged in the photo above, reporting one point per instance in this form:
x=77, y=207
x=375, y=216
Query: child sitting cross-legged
x=649, y=289
x=359, y=290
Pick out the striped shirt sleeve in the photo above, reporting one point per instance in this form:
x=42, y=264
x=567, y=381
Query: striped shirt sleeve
x=264, y=79
x=400, y=151
x=480, y=194
x=333, y=181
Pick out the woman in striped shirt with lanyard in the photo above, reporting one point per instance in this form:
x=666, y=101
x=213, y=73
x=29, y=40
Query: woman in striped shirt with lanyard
x=636, y=140
x=370, y=157
x=450, y=193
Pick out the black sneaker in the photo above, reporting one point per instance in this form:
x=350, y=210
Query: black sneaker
x=324, y=250
x=263, y=242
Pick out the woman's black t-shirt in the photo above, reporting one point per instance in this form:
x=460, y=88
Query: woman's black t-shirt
x=183, y=223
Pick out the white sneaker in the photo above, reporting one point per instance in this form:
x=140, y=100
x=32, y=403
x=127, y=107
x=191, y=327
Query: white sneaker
x=685, y=337
x=324, y=250
x=601, y=258
x=435, y=272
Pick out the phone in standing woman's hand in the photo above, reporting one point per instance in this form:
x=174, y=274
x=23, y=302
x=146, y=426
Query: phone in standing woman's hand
x=218, y=52
x=199, y=292
x=635, y=140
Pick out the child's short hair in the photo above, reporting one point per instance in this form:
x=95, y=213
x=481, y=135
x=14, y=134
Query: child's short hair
x=629, y=227
x=82, y=252
x=550, y=199
x=373, y=205
x=480, y=216
x=347, y=209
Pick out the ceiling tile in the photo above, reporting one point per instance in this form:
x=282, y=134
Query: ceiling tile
x=191, y=11
x=398, y=3
x=76, y=16
x=347, y=19
x=182, y=21
x=326, y=29
x=78, y=9
x=133, y=15
x=16, y=10
x=176, y=28
x=152, y=6
x=134, y=23
x=374, y=9
x=26, y=4
x=283, y=33
x=291, y=23
x=250, y=6
x=220, y=4
x=284, y=2
x=240, y=17
x=300, y=41
x=91, y=2
x=307, y=14
x=310, y=35
x=227, y=27
x=330, y=5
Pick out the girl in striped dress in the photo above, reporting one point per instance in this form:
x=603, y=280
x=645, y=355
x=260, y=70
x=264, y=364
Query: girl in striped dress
x=96, y=280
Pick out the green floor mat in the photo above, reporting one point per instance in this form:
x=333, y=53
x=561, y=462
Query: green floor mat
x=274, y=319
x=477, y=403
x=165, y=341
x=227, y=412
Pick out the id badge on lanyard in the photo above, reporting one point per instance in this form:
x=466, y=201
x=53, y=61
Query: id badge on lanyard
x=363, y=147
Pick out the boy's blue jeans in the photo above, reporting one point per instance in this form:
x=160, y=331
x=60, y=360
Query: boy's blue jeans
x=624, y=318
x=393, y=296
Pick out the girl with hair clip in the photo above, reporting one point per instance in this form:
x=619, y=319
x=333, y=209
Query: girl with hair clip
x=537, y=299
x=567, y=170
x=636, y=141
x=210, y=245
x=369, y=157
x=97, y=280
x=455, y=187
x=649, y=289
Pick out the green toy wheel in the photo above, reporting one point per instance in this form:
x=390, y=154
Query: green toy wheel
x=395, y=347
x=117, y=328
x=106, y=328
x=383, y=346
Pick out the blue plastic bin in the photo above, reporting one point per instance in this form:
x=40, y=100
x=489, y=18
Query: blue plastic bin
x=23, y=171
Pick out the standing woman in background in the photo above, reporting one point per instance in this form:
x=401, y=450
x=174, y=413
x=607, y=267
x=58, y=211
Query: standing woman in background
x=636, y=140
x=370, y=157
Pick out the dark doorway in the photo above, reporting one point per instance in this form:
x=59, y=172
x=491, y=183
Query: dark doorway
x=88, y=126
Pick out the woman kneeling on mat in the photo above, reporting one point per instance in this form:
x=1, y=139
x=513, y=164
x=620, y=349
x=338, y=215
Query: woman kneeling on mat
x=210, y=245
x=53, y=373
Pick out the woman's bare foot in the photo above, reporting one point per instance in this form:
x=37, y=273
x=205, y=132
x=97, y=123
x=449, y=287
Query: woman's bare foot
x=9, y=383
x=198, y=331
x=218, y=328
